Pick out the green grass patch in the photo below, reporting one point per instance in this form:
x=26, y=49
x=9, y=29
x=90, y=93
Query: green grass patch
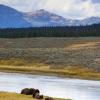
x=14, y=96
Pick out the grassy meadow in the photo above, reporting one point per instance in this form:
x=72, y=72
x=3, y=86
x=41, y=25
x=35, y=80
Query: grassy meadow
x=68, y=57
x=14, y=96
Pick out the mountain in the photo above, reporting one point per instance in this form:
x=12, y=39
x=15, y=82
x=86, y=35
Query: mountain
x=44, y=18
x=11, y=18
x=90, y=21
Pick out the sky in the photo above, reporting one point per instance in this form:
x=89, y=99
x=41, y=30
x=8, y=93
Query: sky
x=75, y=9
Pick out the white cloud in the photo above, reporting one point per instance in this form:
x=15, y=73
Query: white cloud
x=67, y=8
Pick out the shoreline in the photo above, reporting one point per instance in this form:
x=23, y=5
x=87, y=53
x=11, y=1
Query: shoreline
x=57, y=73
x=17, y=95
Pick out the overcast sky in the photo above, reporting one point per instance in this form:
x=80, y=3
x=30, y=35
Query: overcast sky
x=66, y=8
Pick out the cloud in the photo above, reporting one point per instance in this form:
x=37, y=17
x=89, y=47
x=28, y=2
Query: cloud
x=66, y=8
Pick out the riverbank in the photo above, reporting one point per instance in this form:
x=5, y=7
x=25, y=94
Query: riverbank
x=80, y=73
x=15, y=96
x=51, y=86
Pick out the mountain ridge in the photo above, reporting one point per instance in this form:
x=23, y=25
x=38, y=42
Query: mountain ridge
x=12, y=18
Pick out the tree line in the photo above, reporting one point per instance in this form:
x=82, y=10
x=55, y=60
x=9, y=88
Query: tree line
x=66, y=31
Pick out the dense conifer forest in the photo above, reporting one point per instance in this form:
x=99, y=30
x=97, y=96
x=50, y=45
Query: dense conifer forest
x=71, y=31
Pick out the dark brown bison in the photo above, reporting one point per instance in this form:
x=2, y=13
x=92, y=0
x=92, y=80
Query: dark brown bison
x=28, y=91
x=48, y=98
x=36, y=93
x=39, y=97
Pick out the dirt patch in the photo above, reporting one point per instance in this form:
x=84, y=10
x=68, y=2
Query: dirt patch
x=83, y=45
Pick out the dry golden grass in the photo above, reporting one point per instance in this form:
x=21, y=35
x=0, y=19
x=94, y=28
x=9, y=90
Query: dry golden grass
x=21, y=62
x=73, y=72
x=14, y=96
x=86, y=45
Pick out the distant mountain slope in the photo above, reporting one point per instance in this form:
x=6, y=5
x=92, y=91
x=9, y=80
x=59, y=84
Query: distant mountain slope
x=44, y=18
x=11, y=18
x=90, y=21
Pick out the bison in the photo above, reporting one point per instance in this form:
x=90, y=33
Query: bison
x=35, y=93
x=39, y=97
x=28, y=91
x=31, y=91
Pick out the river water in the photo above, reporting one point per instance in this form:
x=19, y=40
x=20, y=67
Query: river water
x=74, y=89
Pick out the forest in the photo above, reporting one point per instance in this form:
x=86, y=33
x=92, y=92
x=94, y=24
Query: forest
x=64, y=31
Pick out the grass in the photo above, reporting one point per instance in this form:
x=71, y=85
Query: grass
x=14, y=96
x=68, y=57
x=72, y=72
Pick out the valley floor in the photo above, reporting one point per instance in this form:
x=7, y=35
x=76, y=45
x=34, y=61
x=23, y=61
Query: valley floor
x=67, y=57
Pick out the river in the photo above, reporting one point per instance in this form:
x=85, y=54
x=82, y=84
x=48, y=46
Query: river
x=75, y=89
